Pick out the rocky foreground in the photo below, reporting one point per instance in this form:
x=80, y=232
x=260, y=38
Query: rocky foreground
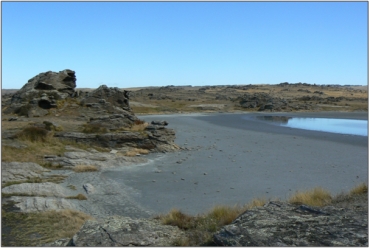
x=98, y=130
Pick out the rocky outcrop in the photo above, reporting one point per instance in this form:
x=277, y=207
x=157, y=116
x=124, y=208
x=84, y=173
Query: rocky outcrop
x=36, y=189
x=283, y=224
x=156, y=138
x=93, y=157
x=124, y=231
x=40, y=204
x=108, y=98
x=18, y=171
x=41, y=92
x=114, y=122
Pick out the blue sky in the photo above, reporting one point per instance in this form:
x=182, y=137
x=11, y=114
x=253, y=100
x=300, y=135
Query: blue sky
x=134, y=44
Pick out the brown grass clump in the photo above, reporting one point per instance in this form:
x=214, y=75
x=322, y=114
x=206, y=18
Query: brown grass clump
x=133, y=152
x=176, y=218
x=138, y=127
x=85, y=168
x=34, y=134
x=80, y=197
x=315, y=197
x=360, y=189
x=35, y=229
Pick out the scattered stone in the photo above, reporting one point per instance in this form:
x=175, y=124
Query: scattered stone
x=88, y=188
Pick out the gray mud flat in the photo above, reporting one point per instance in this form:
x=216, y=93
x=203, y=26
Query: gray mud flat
x=231, y=160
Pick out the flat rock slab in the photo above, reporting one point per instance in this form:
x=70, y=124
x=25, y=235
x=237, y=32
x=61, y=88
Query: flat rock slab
x=124, y=231
x=36, y=189
x=39, y=204
x=282, y=224
x=18, y=171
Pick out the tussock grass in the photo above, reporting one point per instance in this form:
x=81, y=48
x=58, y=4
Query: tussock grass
x=80, y=197
x=85, y=168
x=314, y=197
x=34, y=134
x=35, y=229
x=133, y=152
x=360, y=189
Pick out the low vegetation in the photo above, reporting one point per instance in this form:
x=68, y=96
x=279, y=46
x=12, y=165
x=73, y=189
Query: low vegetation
x=37, y=142
x=315, y=197
x=85, y=168
x=35, y=229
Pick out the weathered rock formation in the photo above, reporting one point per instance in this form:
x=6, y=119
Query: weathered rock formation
x=38, y=204
x=36, y=189
x=124, y=231
x=41, y=92
x=154, y=137
x=282, y=224
x=18, y=171
x=107, y=97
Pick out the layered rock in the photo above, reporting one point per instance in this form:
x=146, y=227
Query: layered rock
x=40, y=204
x=18, y=171
x=154, y=137
x=36, y=189
x=124, y=231
x=283, y=224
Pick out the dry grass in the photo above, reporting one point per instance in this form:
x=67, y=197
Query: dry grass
x=360, y=189
x=135, y=151
x=34, y=134
x=315, y=197
x=138, y=127
x=80, y=197
x=258, y=202
x=34, y=229
x=85, y=168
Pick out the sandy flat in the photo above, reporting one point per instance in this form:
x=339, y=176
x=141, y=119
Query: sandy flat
x=233, y=159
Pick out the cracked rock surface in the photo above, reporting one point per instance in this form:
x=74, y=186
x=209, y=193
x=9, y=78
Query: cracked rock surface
x=124, y=231
x=283, y=224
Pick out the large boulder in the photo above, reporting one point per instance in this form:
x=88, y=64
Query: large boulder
x=41, y=92
x=283, y=224
x=124, y=231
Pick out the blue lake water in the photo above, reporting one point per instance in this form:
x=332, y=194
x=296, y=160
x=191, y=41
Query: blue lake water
x=343, y=126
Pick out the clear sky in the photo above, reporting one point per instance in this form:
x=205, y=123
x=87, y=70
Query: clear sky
x=133, y=44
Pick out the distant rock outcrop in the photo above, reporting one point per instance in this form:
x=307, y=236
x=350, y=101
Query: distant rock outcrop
x=262, y=101
x=283, y=224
